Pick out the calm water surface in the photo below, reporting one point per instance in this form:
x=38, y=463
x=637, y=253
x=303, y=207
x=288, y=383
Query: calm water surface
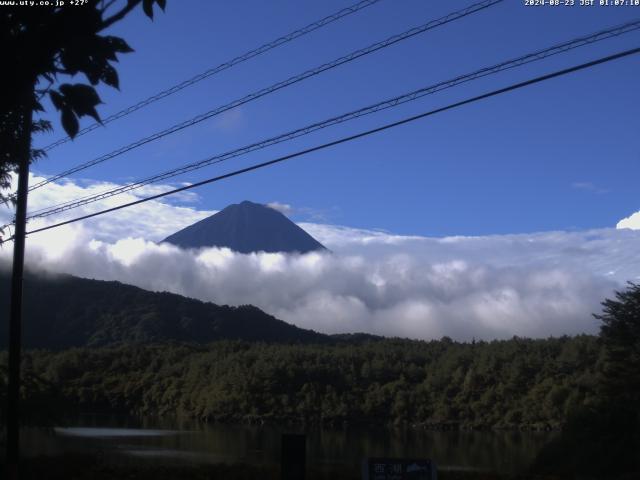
x=135, y=440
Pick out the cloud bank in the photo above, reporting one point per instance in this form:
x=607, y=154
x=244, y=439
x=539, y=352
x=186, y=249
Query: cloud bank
x=484, y=287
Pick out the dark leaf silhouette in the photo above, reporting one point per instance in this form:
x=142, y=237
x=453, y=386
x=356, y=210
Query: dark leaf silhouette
x=82, y=99
x=147, y=6
x=69, y=122
x=118, y=44
x=57, y=99
x=110, y=77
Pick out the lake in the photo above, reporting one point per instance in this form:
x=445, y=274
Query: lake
x=172, y=441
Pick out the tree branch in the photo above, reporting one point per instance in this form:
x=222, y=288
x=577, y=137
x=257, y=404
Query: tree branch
x=106, y=6
x=41, y=92
x=131, y=4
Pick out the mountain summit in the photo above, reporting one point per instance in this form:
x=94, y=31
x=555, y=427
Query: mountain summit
x=246, y=227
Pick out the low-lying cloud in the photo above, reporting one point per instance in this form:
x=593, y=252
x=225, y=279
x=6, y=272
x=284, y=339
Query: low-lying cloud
x=484, y=287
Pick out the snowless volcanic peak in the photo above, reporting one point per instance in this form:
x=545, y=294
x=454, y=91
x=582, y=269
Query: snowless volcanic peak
x=246, y=227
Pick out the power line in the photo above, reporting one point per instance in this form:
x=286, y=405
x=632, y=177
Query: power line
x=366, y=133
x=223, y=66
x=277, y=86
x=389, y=103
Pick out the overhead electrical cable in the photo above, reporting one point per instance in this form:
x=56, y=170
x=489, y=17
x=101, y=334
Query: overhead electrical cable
x=389, y=103
x=476, y=7
x=350, y=138
x=223, y=66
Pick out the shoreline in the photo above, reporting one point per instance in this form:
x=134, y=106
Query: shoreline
x=91, y=467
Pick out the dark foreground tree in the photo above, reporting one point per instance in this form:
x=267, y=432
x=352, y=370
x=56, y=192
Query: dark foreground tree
x=620, y=334
x=38, y=43
x=603, y=440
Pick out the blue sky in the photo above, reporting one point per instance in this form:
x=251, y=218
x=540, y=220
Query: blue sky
x=564, y=155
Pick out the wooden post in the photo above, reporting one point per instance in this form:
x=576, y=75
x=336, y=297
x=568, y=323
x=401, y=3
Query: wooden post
x=15, y=318
x=294, y=451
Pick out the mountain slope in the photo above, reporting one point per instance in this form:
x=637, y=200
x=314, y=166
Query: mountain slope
x=63, y=311
x=246, y=227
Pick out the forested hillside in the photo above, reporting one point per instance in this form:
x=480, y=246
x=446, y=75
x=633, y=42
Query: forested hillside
x=63, y=311
x=440, y=384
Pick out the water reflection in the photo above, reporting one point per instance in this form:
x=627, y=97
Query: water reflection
x=185, y=441
x=93, y=432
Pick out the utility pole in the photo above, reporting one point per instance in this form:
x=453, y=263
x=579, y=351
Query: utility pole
x=15, y=319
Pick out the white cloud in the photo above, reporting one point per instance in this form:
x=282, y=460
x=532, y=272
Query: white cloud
x=152, y=220
x=284, y=208
x=392, y=294
x=485, y=287
x=631, y=222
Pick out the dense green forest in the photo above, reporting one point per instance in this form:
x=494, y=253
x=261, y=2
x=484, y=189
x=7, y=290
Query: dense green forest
x=163, y=354
x=587, y=385
x=517, y=383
